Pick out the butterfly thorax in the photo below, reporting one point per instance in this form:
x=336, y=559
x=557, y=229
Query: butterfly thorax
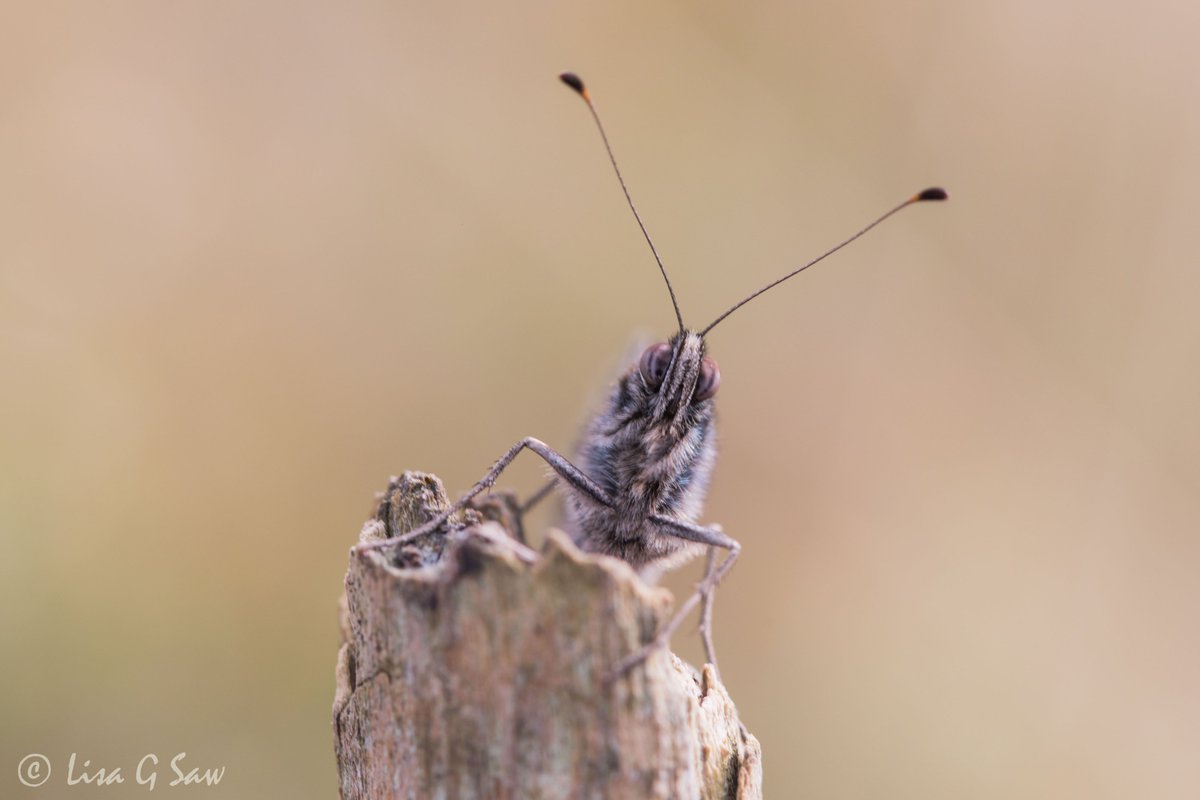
x=651, y=451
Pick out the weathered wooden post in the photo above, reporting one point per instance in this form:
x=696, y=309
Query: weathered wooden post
x=474, y=667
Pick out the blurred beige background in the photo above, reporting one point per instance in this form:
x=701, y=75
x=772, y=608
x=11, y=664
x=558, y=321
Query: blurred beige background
x=256, y=258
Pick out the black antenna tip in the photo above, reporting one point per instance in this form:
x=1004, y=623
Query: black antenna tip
x=936, y=193
x=573, y=80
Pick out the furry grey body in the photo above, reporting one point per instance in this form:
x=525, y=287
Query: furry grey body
x=652, y=451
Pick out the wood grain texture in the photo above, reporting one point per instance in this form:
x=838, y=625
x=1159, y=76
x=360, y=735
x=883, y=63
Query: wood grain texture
x=474, y=667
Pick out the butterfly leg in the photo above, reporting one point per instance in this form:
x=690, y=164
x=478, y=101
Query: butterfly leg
x=706, y=608
x=713, y=537
x=567, y=471
x=505, y=508
x=538, y=496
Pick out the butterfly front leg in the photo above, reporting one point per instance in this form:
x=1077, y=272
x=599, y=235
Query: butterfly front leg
x=571, y=475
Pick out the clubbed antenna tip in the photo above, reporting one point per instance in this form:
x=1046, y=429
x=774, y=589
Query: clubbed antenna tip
x=935, y=193
x=573, y=80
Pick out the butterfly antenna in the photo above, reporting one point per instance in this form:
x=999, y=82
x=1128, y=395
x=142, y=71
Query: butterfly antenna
x=929, y=194
x=573, y=80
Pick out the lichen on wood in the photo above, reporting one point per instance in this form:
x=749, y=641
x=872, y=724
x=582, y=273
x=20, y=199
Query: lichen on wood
x=475, y=667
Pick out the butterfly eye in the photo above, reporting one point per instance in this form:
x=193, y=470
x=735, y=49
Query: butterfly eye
x=655, y=363
x=710, y=379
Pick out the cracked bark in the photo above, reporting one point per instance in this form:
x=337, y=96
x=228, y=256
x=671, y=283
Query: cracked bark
x=474, y=667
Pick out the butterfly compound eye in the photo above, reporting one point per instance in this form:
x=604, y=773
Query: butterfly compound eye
x=710, y=379
x=655, y=363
